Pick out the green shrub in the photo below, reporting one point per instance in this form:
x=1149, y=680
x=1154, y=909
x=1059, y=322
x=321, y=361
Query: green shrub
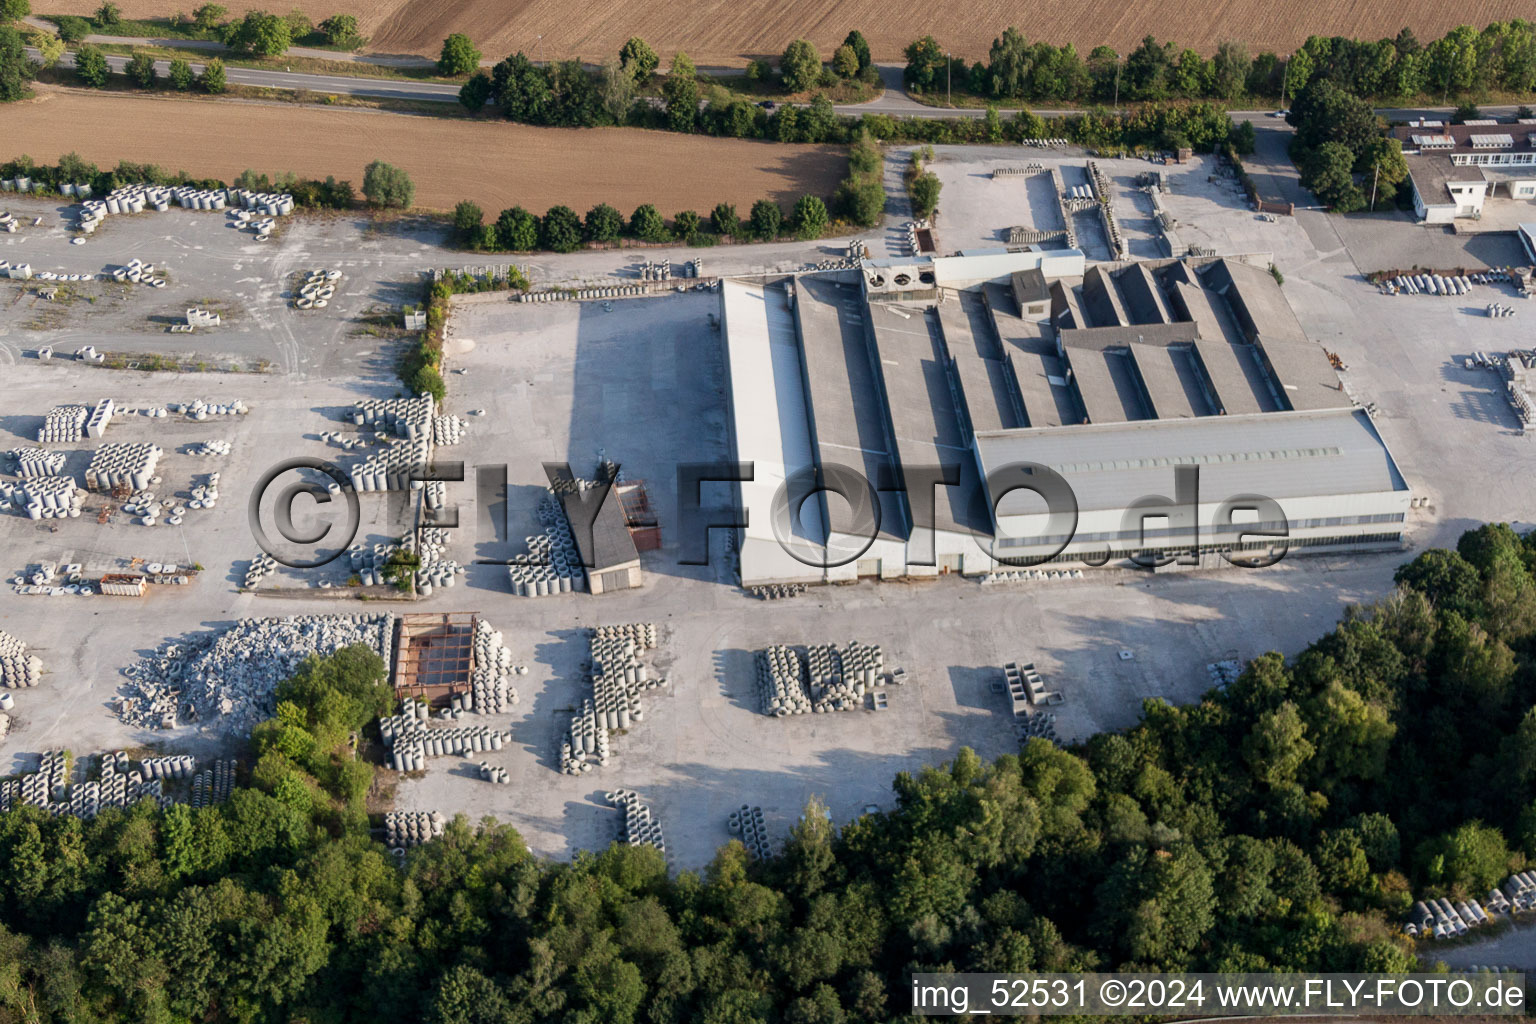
x=91, y=66
x=73, y=29
x=560, y=230
x=810, y=217
x=459, y=56
x=766, y=219
x=647, y=224
x=603, y=223
x=387, y=186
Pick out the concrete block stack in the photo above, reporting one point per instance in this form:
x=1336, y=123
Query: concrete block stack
x=225, y=680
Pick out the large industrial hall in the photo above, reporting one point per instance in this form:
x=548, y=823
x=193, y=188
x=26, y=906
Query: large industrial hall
x=930, y=377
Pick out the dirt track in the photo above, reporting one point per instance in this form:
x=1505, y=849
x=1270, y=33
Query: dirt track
x=730, y=31
x=494, y=163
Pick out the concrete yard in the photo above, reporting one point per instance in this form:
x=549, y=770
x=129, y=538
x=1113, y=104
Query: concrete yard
x=977, y=209
x=644, y=385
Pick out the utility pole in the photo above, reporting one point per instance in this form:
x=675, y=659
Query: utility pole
x=1117, y=85
x=948, y=99
x=538, y=49
x=1374, y=179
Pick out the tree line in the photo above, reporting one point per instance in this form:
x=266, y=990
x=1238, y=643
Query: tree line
x=1500, y=58
x=384, y=185
x=1283, y=823
x=562, y=229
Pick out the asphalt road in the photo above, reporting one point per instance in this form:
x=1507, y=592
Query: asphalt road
x=341, y=85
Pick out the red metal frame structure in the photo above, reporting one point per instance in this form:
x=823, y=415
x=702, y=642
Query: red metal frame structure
x=434, y=654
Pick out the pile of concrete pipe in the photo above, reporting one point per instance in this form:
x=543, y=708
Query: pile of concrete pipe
x=404, y=829
x=18, y=669
x=497, y=774
x=63, y=423
x=129, y=464
x=209, y=449
x=588, y=739
x=448, y=430
x=658, y=270
x=48, y=497
x=552, y=564
x=413, y=742
x=748, y=824
x=436, y=569
x=781, y=690
x=394, y=467
x=43, y=788
x=1517, y=894
x=8, y=222
x=34, y=462
x=214, y=784
x=618, y=678
x=826, y=679
x=614, y=292
x=318, y=289
x=639, y=827
x=137, y=271
x=404, y=417
x=174, y=766
x=200, y=409
x=490, y=691
x=776, y=591
x=228, y=677
x=1440, y=918
x=206, y=495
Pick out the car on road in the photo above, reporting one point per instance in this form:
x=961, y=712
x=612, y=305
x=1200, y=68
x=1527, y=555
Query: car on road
x=766, y=104
x=1280, y=113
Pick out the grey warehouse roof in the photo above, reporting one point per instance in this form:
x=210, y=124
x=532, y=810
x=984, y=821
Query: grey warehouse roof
x=1279, y=455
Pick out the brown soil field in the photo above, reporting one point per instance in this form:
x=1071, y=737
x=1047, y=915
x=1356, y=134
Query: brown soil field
x=496, y=164
x=732, y=31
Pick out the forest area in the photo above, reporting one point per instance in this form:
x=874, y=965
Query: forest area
x=1285, y=822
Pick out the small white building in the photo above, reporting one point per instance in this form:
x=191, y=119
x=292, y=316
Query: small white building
x=1456, y=169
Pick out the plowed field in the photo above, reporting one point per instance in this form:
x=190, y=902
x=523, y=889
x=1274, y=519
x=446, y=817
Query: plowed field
x=728, y=31
x=496, y=164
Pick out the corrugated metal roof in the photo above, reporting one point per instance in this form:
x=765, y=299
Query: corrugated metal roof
x=1279, y=455
x=770, y=421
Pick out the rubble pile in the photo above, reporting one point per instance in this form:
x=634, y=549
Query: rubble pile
x=228, y=678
